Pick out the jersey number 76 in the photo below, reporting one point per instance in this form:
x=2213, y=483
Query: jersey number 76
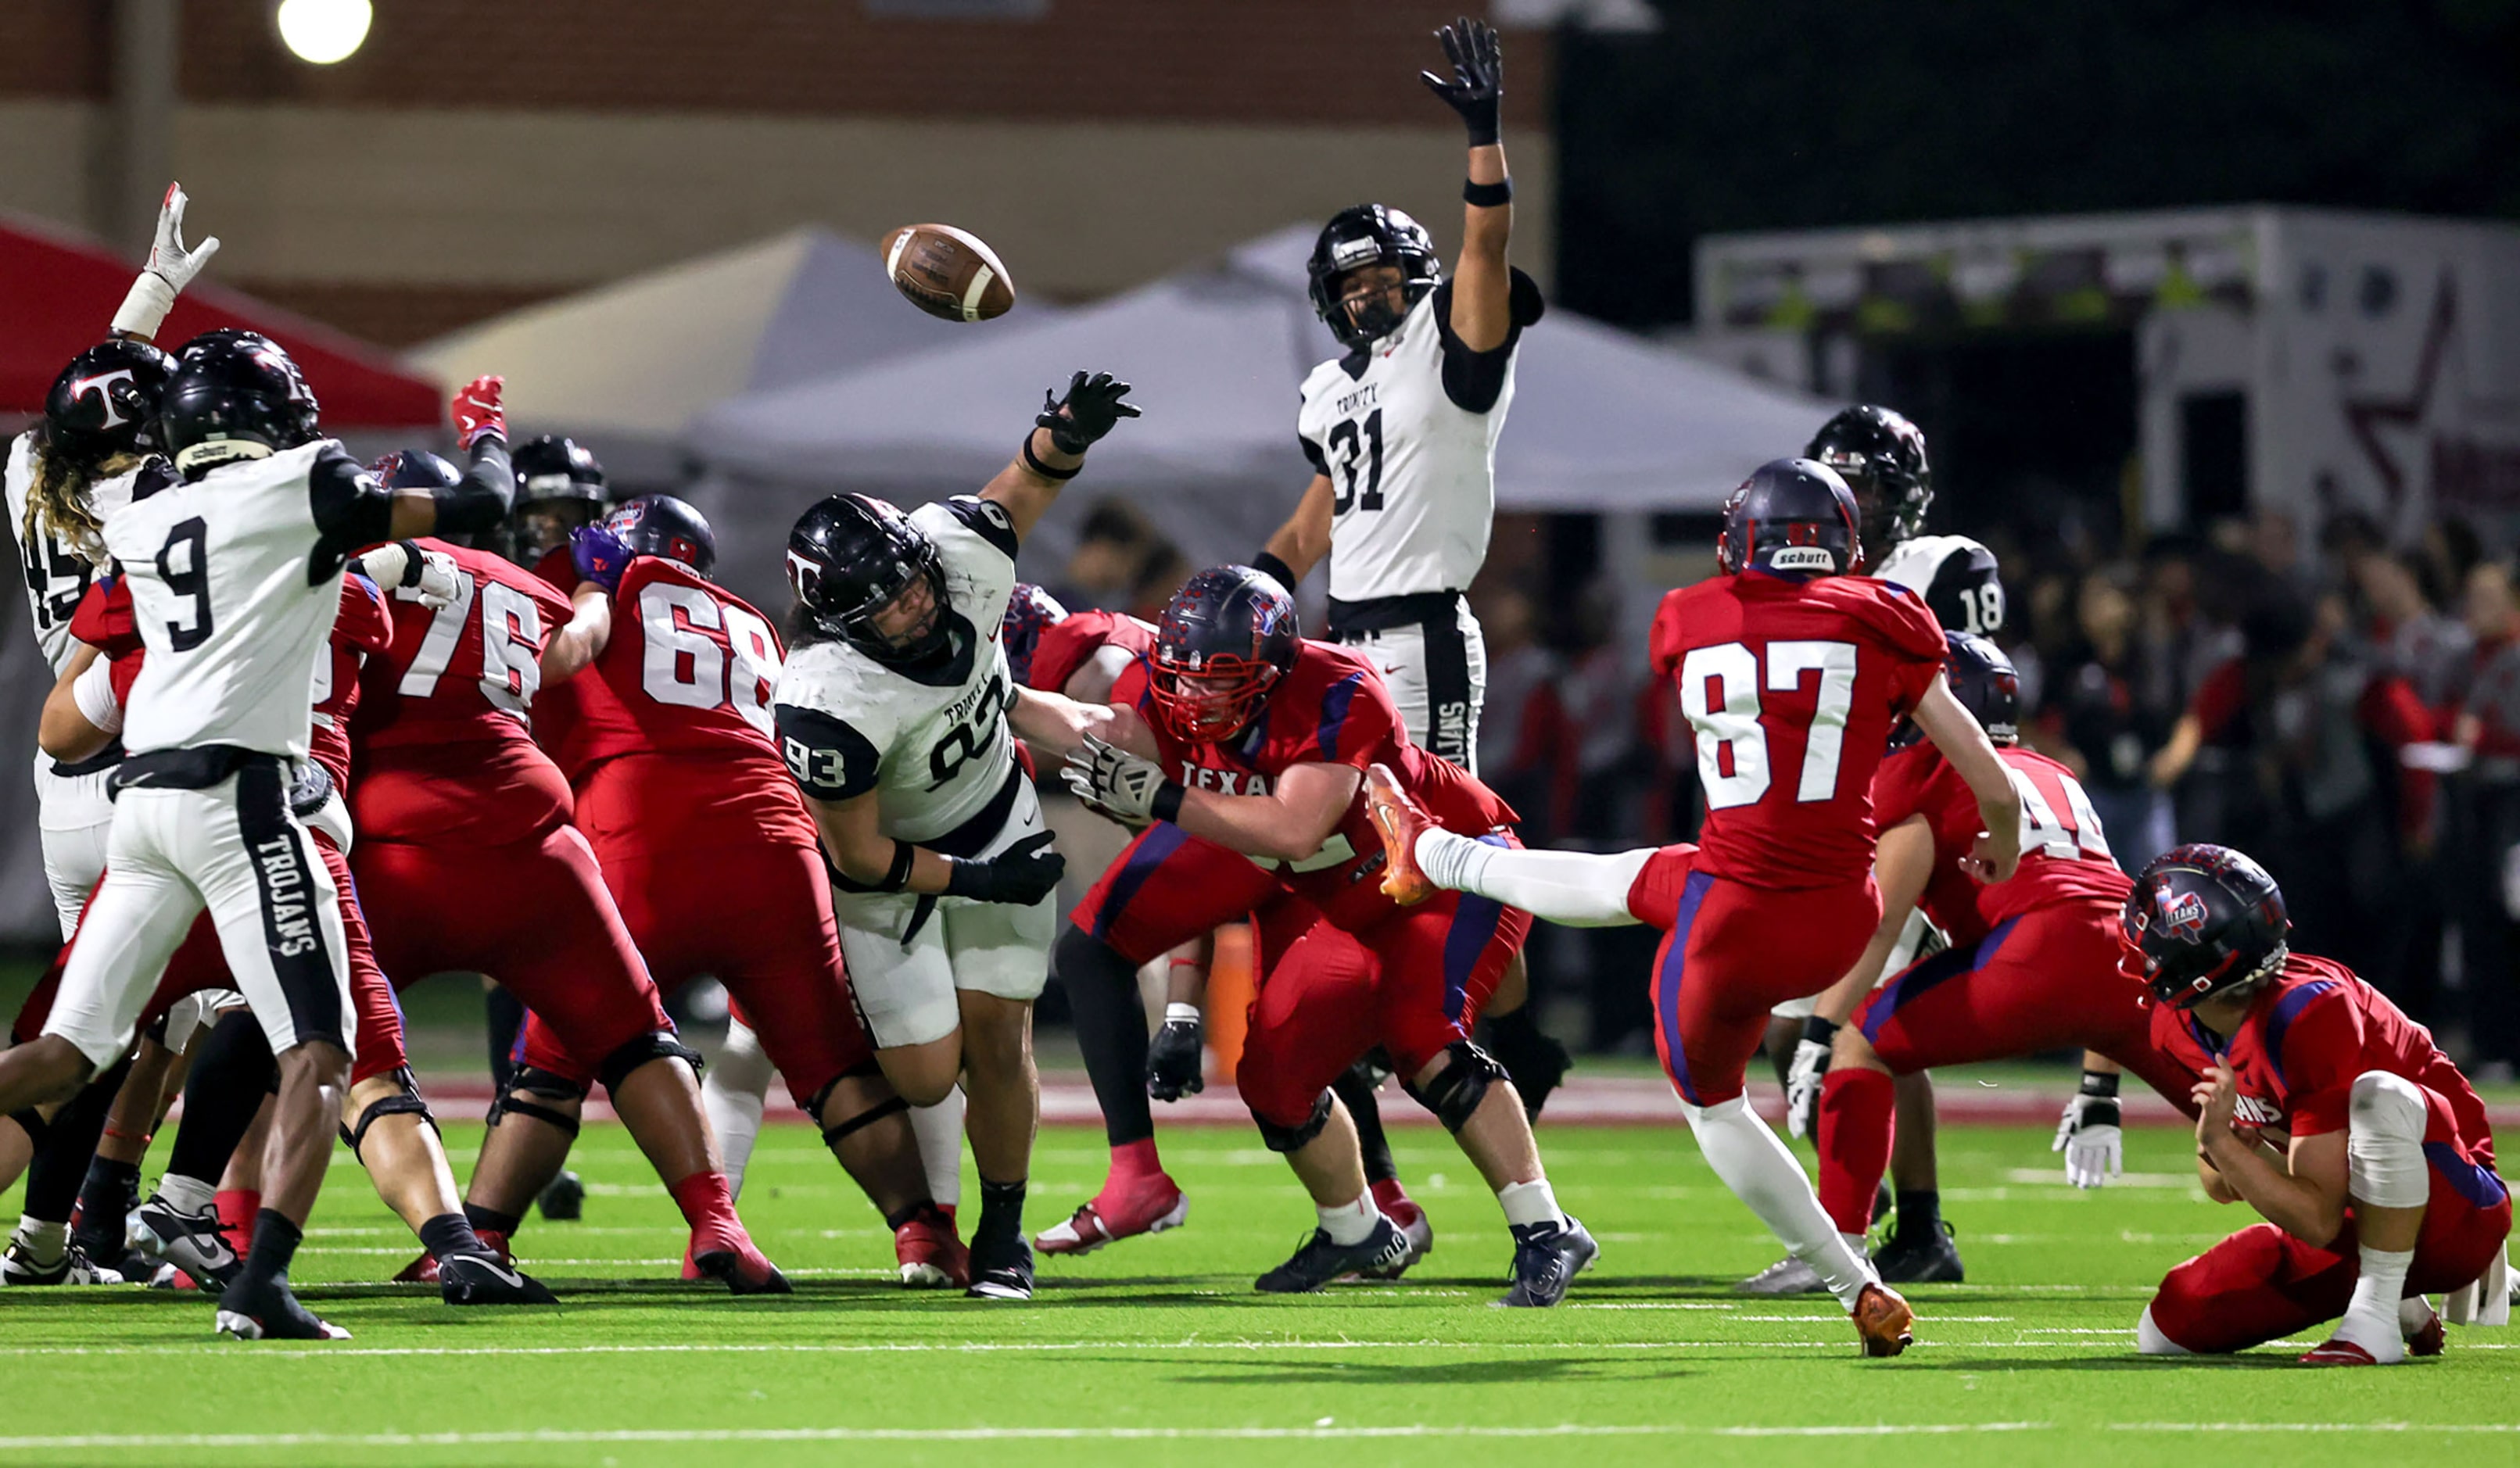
x=1731, y=743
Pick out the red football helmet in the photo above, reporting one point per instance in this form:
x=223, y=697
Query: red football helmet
x=1226, y=639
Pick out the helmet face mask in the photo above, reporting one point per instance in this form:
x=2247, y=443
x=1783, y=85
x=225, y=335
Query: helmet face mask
x=1360, y=239
x=538, y=527
x=1881, y=457
x=868, y=576
x=1204, y=701
x=1227, y=640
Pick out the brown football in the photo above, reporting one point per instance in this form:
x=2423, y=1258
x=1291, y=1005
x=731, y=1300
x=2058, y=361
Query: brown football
x=948, y=273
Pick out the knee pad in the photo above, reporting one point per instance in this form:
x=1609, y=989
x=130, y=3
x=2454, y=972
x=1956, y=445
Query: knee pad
x=1280, y=1139
x=535, y=1081
x=2149, y=1340
x=655, y=1044
x=1457, y=1088
x=834, y=1131
x=405, y=1102
x=2384, y=1142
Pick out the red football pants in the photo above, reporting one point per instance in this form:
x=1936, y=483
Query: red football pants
x=2262, y=1284
x=533, y=915
x=1169, y=887
x=198, y=965
x=1730, y=955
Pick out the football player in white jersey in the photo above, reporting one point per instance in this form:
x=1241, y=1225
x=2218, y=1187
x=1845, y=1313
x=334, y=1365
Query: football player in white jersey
x=891, y=714
x=234, y=569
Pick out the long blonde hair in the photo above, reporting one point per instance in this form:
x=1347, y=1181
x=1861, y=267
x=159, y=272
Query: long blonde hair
x=58, y=499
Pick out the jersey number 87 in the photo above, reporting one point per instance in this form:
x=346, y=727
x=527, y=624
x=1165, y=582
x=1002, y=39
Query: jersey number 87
x=1731, y=743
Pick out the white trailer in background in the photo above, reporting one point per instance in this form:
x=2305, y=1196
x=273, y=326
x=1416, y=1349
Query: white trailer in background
x=2306, y=360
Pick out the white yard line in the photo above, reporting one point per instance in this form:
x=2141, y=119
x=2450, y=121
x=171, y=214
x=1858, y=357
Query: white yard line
x=1326, y=1429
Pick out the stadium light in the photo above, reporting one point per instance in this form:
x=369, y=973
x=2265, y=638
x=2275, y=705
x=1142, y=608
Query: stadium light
x=324, y=31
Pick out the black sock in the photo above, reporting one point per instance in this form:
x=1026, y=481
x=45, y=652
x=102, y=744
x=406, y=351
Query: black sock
x=232, y=1072
x=506, y=1016
x=1355, y=1087
x=54, y=1176
x=490, y=1219
x=900, y=1216
x=275, y=1243
x=105, y=1199
x=1000, y=1212
x=1111, y=1030
x=450, y=1233
x=1921, y=1210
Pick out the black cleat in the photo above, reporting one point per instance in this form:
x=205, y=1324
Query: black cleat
x=190, y=1241
x=271, y=1313
x=488, y=1279
x=1320, y=1261
x=565, y=1200
x=1918, y=1256
x=1001, y=1272
x=1546, y=1257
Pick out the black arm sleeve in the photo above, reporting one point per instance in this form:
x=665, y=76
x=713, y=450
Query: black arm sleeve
x=481, y=499
x=987, y=519
x=1313, y=452
x=1474, y=381
x=830, y=760
x=351, y=510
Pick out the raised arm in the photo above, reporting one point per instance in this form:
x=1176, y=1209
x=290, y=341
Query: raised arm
x=171, y=267
x=1482, y=287
x=1956, y=732
x=583, y=640
x=1055, y=450
x=1300, y=544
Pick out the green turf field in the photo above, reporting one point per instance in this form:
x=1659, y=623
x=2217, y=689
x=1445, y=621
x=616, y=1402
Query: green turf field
x=1158, y=1351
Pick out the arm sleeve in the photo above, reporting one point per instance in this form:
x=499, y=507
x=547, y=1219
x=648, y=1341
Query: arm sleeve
x=350, y=508
x=1314, y=456
x=987, y=519
x=1474, y=381
x=830, y=759
x=482, y=497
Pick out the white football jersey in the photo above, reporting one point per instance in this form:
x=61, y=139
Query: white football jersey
x=58, y=570
x=936, y=749
x=1956, y=576
x=1406, y=432
x=234, y=597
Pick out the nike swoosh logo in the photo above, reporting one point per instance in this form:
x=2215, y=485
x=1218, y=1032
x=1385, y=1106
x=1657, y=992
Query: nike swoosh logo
x=507, y=1276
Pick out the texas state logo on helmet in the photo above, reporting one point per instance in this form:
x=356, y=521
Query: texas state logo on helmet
x=1030, y=612
x=667, y=528
x=109, y=395
x=1881, y=456
x=2201, y=919
x=1791, y=517
x=1226, y=639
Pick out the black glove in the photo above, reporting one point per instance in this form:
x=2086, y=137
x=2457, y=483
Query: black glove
x=1176, y=1060
x=1088, y=411
x=1022, y=874
x=1478, y=78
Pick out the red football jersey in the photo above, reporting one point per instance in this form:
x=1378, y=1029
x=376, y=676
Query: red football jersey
x=104, y=621
x=1792, y=687
x=1067, y=643
x=688, y=676
x=2064, y=854
x=1331, y=708
x=2310, y=1032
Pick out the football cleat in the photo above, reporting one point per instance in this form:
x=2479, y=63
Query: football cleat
x=271, y=1313
x=488, y=1279
x=2337, y=1351
x=1399, y=820
x=930, y=1253
x=425, y=1271
x=1141, y=1205
x=1882, y=1319
x=1919, y=1255
x=1546, y=1257
x=2428, y=1339
x=1787, y=1276
x=1001, y=1275
x=1319, y=1261
x=723, y=1250
x=190, y=1241
x=1405, y=1214
x=563, y=1201
x=19, y=1269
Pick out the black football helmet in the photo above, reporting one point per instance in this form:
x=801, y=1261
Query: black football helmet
x=849, y=557
x=106, y=401
x=1792, y=517
x=1227, y=637
x=1986, y=683
x=2202, y=919
x=1030, y=612
x=664, y=526
x=1363, y=235
x=233, y=395
x=560, y=487
x=1881, y=457
x=415, y=468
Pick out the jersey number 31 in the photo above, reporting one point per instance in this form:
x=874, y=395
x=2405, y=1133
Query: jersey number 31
x=1731, y=743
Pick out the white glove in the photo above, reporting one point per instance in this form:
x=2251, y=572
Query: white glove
x=427, y=577
x=1802, y=1086
x=1118, y=783
x=2092, y=1145
x=170, y=268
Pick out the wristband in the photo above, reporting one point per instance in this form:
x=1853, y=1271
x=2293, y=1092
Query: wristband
x=1181, y=1015
x=1493, y=195
x=144, y=309
x=1167, y=802
x=896, y=878
x=2101, y=1083
x=1819, y=1031
x=1271, y=565
x=1030, y=461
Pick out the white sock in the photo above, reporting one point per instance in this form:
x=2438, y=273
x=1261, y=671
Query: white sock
x=2149, y=1340
x=1762, y=1173
x=732, y=1092
x=2371, y=1316
x=43, y=1239
x=1350, y=1222
x=186, y=1194
x=941, y=1146
x=1572, y=887
x=1529, y=1203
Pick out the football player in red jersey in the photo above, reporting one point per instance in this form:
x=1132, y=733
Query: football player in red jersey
x=708, y=852
x=2032, y=962
x=385, y=1118
x=1240, y=733
x=467, y=863
x=1792, y=673
x=2326, y=1109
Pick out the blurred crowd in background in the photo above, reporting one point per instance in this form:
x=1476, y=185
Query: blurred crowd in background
x=2346, y=709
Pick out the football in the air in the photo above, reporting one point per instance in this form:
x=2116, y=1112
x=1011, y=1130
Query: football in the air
x=948, y=273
